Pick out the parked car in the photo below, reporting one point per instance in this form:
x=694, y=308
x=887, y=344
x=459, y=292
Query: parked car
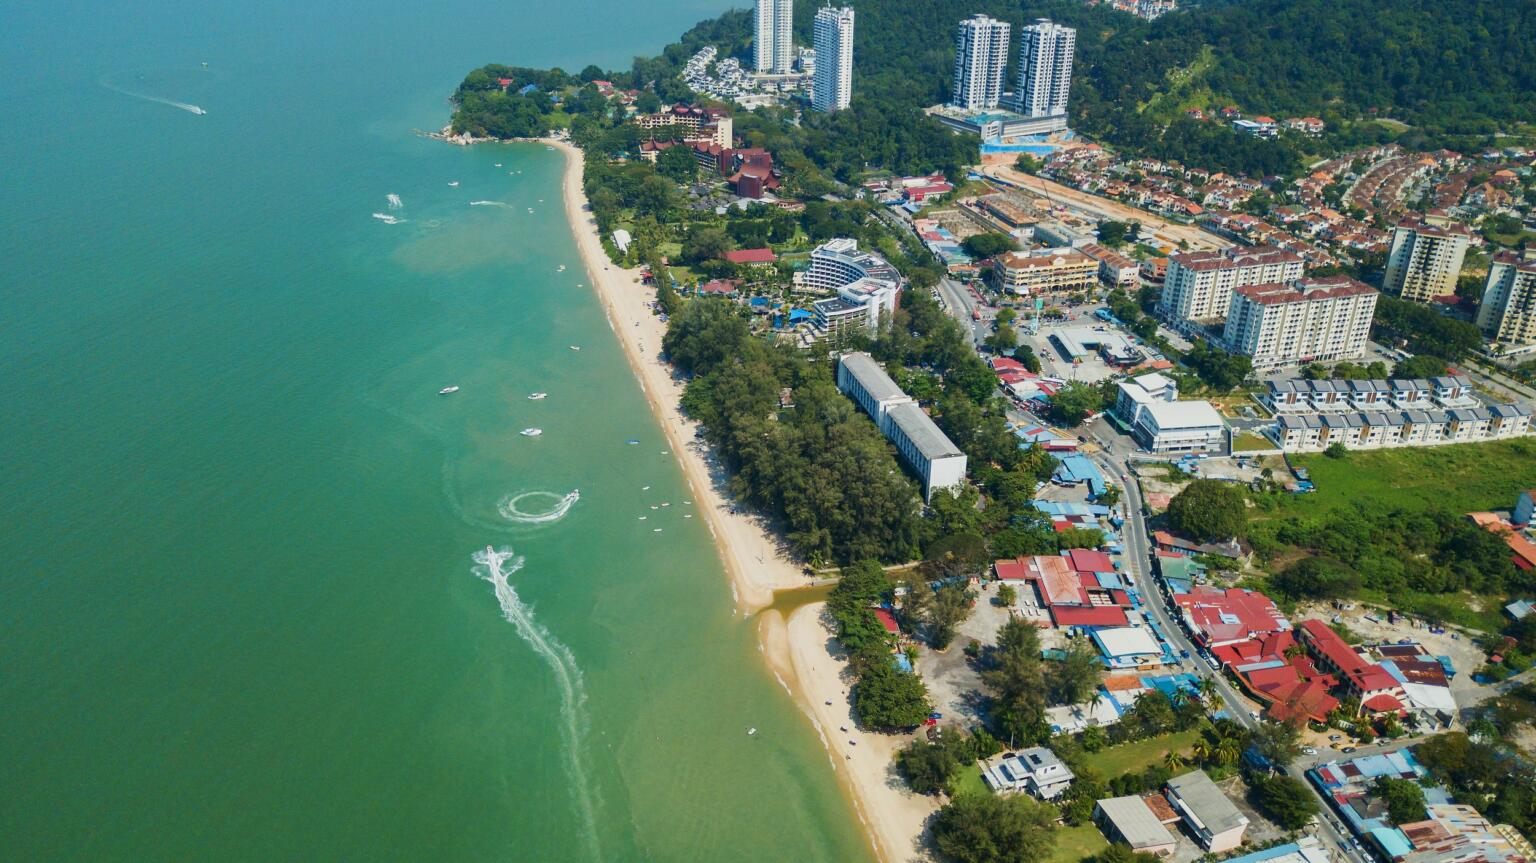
x=1308, y=750
x=1348, y=749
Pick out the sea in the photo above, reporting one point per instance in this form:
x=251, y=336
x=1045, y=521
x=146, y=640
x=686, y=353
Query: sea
x=265, y=594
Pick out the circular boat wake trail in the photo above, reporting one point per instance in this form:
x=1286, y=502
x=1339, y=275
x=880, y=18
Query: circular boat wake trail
x=496, y=565
x=521, y=508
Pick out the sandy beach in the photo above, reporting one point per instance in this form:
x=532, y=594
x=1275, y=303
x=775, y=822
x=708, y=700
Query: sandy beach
x=798, y=649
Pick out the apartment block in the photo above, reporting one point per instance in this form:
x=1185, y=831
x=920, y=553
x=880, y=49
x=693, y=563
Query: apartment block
x=981, y=55
x=1507, y=315
x=773, y=49
x=1312, y=320
x=1199, y=285
x=1312, y=432
x=918, y=440
x=1046, y=271
x=1425, y=260
x=832, y=84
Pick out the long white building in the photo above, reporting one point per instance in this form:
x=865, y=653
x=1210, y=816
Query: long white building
x=1425, y=260
x=1045, y=69
x=1310, y=320
x=1199, y=285
x=832, y=85
x=920, y=443
x=1507, y=315
x=981, y=55
x=773, y=47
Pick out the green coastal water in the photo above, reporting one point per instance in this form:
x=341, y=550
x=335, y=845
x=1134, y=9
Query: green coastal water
x=241, y=616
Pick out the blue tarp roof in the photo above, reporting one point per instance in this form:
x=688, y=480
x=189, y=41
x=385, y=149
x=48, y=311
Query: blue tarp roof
x=1266, y=854
x=1392, y=841
x=1079, y=468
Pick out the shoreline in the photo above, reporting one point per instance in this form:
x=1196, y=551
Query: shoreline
x=795, y=648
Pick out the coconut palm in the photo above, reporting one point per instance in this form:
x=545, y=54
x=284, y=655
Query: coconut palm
x=1173, y=761
x=1202, y=750
x=1228, y=751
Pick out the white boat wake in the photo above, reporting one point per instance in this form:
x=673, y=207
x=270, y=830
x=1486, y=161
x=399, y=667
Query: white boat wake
x=501, y=204
x=394, y=201
x=495, y=566
x=511, y=509
x=185, y=106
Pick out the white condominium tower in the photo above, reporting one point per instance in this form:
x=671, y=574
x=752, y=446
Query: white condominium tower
x=1508, y=313
x=1045, y=69
x=832, y=87
x=981, y=53
x=1425, y=260
x=774, y=49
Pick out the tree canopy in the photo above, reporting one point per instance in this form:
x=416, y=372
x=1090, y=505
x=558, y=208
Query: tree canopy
x=1208, y=510
x=987, y=828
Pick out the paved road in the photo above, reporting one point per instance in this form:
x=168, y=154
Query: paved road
x=1113, y=458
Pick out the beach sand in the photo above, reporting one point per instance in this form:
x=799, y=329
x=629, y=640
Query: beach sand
x=798, y=649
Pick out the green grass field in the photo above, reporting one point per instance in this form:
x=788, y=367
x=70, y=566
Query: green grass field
x=1464, y=478
x=1076, y=843
x=968, y=781
x=1138, y=755
x=1249, y=442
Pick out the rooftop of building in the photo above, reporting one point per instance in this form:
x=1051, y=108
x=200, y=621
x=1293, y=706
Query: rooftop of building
x=1135, y=821
x=1305, y=290
x=872, y=377
x=1205, y=802
x=923, y=432
x=1251, y=256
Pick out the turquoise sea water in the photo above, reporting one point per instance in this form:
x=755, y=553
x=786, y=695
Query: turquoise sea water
x=241, y=616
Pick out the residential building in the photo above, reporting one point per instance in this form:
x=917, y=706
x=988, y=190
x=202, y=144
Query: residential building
x=1198, y=286
x=1148, y=406
x=1036, y=771
x=1298, y=395
x=832, y=85
x=1209, y=815
x=937, y=462
x=1133, y=821
x=1045, y=271
x=1311, y=320
x=862, y=281
x=1424, y=260
x=1375, y=689
x=773, y=49
x=1045, y=69
x=981, y=54
x=1312, y=432
x=1115, y=270
x=1221, y=618
x=1507, y=315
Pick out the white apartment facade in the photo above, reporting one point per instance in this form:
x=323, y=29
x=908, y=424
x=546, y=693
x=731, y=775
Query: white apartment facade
x=1298, y=395
x=918, y=440
x=1312, y=320
x=832, y=85
x=1045, y=69
x=866, y=286
x=1199, y=285
x=981, y=55
x=1507, y=315
x=773, y=48
x=1425, y=260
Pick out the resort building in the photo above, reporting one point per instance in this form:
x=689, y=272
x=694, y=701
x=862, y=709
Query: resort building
x=1046, y=271
x=1209, y=815
x=773, y=46
x=832, y=85
x=1045, y=70
x=1134, y=821
x=1148, y=406
x=1035, y=771
x=1425, y=260
x=1311, y=320
x=981, y=54
x=935, y=459
x=866, y=285
x=1313, y=432
x=1198, y=286
x=1507, y=315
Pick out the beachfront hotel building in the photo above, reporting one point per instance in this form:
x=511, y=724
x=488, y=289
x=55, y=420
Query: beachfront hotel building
x=919, y=442
x=865, y=287
x=1199, y=285
x=1507, y=315
x=1310, y=320
x=981, y=55
x=1045, y=69
x=1425, y=260
x=832, y=85
x=773, y=47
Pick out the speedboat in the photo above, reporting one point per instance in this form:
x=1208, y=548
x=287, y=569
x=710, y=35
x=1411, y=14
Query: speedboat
x=531, y=432
x=575, y=347
x=498, y=164
x=446, y=390
x=453, y=182
x=537, y=397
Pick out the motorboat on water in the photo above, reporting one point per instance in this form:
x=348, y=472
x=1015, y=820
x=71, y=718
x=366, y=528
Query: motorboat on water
x=447, y=390
x=453, y=182
x=575, y=347
x=537, y=397
x=531, y=432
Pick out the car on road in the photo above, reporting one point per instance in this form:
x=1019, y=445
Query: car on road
x=1348, y=749
x=1307, y=750
x=1335, y=737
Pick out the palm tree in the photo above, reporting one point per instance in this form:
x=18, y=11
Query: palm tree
x=1173, y=761
x=1202, y=750
x=1228, y=751
x=1209, y=693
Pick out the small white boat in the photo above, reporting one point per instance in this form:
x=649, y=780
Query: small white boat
x=562, y=269
x=751, y=731
x=575, y=347
x=386, y=218
x=531, y=432
x=645, y=488
x=549, y=148
x=453, y=182
x=498, y=164
x=446, y=390
x=537, y=397
x=655, y=530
